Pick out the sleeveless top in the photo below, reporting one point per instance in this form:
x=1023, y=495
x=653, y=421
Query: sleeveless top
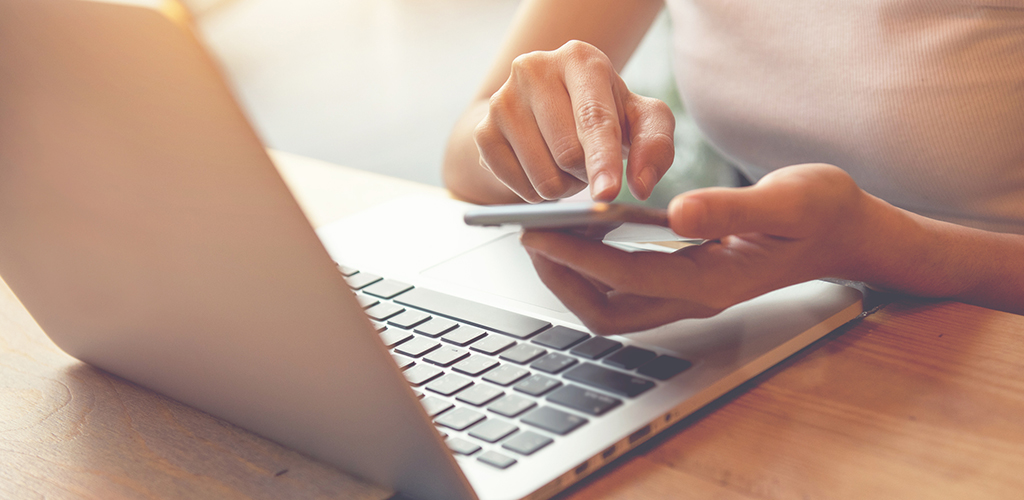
x=921, y=101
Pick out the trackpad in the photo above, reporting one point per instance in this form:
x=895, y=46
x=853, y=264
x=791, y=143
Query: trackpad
x=499, y=267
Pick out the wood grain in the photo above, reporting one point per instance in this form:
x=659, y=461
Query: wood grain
x=919, y=400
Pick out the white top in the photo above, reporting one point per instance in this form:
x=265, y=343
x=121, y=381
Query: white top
x=921, y=101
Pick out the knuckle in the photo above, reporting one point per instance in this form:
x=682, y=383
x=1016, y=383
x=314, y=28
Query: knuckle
x=596, y=116
x=529, y=67
x=521, y=62
x=658, y=141
x=486, y=134
x=567, y=152
x=500, y=104
x=576, y=48
x=660, y=107
x=585, y=53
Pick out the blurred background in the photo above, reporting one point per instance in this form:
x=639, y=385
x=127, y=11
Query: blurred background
x=378, y=84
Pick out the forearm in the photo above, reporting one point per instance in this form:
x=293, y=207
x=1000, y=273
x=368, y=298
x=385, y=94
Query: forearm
x=931, y=258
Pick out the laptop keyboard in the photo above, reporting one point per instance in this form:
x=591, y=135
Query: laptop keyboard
x=500, y=385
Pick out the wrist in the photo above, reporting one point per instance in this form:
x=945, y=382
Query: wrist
x=913, y=254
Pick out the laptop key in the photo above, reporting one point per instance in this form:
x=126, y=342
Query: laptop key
x=493, y=344
x=512, y=405
x=475, y=365
x=474, y=313
x=417, y=347
x=436, y=327
x=560, y=337
x=612, y=381
x=584, y=400
x=665, y=367
x=553, y=363
x=460, y=419
x=495, y=459
x=421, y=374
x=394, y=336
x=464, y=335
x=480, y=394
x=383, y=311
x=522, y=353
x=537, y=385
x=347, y=271
x=630, y=357
x=435, y=406
x=527, y=442
x=506, y=375
x=493, y=430
x=378, y=326
x=462, y=447
x=449, y=384
x=596, y=348
x=552, y=420
x=408, y=319
x=387, y=289
x=445, y=356
x=361, y=280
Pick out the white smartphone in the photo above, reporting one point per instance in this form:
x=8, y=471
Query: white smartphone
x=589, y=219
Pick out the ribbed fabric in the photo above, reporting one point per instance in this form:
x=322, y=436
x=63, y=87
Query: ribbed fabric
x=921, y=101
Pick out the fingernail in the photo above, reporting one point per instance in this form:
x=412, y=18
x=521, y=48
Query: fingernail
x=601, y=183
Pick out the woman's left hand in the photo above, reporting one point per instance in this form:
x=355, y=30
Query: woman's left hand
x=798, y=223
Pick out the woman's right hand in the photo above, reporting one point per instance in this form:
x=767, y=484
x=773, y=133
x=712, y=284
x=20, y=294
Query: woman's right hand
x=564, y=119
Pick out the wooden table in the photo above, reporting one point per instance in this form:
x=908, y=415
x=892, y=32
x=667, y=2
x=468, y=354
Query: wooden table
x=919, y=400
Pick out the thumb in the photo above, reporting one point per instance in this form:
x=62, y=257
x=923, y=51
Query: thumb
x=714, y=213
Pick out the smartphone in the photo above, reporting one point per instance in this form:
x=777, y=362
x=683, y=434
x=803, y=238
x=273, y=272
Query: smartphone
x=589, y=219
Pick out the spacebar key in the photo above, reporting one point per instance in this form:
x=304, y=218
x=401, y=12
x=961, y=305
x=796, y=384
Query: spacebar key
x=474, y=313
x=609, y=380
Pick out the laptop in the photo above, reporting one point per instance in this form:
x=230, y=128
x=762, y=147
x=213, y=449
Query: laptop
x=144, y=227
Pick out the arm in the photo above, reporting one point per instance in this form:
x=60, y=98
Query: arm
x=937, y=259
x=798, y=223
x=613, y=27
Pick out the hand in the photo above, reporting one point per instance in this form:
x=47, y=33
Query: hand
x=798, y=223
x=563, y=119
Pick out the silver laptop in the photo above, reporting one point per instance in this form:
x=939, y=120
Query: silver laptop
x=147, y=232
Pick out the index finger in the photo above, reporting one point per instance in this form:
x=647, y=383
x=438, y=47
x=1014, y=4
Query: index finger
x=594, y=91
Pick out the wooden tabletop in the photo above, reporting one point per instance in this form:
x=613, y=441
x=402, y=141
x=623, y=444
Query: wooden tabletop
x=918, y=400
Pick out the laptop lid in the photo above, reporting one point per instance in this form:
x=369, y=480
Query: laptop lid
x=147, y=232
